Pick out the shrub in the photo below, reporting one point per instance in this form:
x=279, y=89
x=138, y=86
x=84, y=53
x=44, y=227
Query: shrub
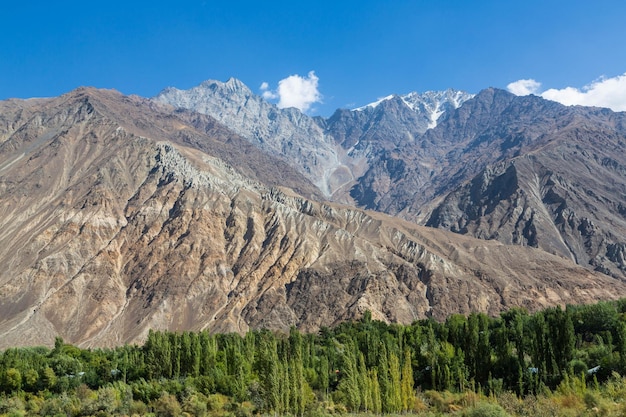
x=569, y=401
x=167, y=406
x=138, y=408
x=195, y=404
x=217, y=402
x=539, y=407
x=591, y=400
x=12, y=406
x=615, y=387
x=578, y=367
x=511, y=403
x=484, y=409
x=441, y=401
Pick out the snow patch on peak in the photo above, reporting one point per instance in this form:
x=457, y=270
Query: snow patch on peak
x=374, y=104
x=431, y=104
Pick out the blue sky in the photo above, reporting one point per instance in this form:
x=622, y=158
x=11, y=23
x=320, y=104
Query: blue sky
x=359, y=50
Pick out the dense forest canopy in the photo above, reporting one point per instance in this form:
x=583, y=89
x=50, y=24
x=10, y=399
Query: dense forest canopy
x=366, y=366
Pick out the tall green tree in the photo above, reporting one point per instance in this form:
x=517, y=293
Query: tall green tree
x=395, y=397
x=376, y=407
x=384, y=380
x=349, y=385
x=407, y=382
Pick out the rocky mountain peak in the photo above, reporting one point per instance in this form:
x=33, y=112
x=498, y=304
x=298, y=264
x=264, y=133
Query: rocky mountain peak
x=286, y=133
x=333, y=153
x=231, y=86
x=429, y=105
x=207, y=95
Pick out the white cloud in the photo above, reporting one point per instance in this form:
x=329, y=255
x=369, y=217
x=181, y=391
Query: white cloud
x=604, y=92
x=295, y=91
x=568, y=95
x=524, y=87
x=266, y=93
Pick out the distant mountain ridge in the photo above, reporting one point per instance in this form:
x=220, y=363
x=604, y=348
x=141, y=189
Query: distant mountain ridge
x=411, y=155
x=522, y=170
x=315, y=146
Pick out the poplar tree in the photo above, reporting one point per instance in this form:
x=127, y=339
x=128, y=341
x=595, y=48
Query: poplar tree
x=196, y=355
x=174, y=342
x=395, y=397
x=620, y=344
x=407, y=382
x=364, y=384
x=208, y=347
x=324, y=375
x=186, y=356
x=150, y=355
x=383, y=379
x=375, y=392
x=285, y=386
x=349, y=385
x=297, y=372
x=563, y=339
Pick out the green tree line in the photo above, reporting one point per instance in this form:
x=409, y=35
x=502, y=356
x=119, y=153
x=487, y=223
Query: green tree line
x=364, y=366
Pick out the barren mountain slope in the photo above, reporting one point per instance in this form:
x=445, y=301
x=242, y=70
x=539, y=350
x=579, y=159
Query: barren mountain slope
x=438, y=159
x=521, y=170
x=117, y=217
x=564, y=199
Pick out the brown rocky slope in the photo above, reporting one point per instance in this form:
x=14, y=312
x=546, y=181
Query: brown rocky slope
x=118, y=215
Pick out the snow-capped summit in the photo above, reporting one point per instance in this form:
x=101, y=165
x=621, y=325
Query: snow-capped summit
x=431, y=104
x=375, y=103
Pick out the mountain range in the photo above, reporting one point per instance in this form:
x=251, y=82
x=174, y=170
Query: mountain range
x=213, y=209
x=522, y=170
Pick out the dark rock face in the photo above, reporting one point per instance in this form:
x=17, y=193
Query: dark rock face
x=562, y=200
x=483, y=131
x=388, y=125
x=522, y=170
